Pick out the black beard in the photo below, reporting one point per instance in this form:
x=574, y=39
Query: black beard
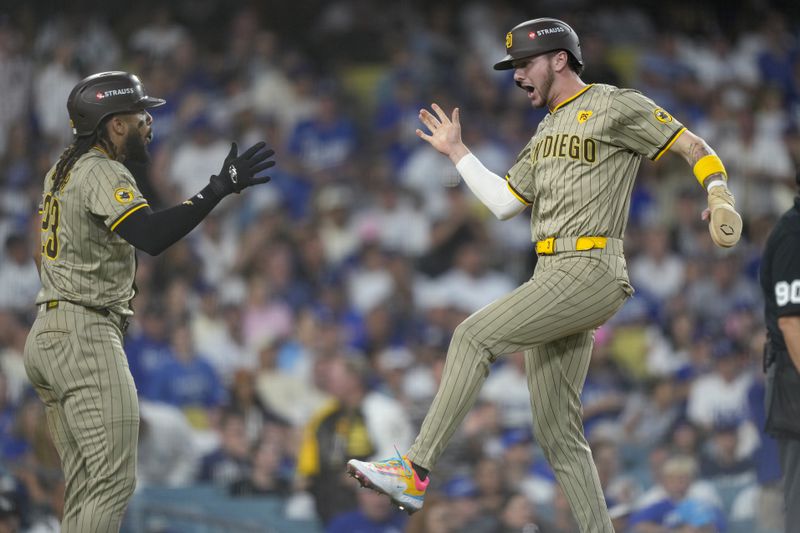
x=135, y=149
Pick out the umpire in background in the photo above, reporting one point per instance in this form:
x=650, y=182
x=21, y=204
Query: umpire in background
x=94, y=216
x=780, y=281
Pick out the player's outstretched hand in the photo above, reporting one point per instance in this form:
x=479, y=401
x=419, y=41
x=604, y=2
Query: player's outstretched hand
x=445, y=132
x=724, y=223
x=239, y=171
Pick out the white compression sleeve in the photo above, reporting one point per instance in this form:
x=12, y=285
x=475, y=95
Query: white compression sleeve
x=490, y=188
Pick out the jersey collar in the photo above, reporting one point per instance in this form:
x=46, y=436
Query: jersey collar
x=571, y=98
x=101, y=150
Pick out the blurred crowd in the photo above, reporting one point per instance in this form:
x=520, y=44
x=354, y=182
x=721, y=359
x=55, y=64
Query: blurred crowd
x=306, y=323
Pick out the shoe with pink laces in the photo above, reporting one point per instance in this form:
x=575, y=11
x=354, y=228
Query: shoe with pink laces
x=393, y=477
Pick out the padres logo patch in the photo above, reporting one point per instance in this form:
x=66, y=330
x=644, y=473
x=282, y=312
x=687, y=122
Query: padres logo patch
x=662, y=116
x=583, y=116
x=123, y=195
x=509, y=40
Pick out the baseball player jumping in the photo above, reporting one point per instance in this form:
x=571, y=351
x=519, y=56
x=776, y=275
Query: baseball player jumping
x=577, y=173
x=93, y=216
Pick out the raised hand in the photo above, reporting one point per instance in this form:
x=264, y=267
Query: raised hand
x=445, y=132
x=239, y=171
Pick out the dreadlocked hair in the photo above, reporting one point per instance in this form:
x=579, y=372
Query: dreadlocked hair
x=74, y=151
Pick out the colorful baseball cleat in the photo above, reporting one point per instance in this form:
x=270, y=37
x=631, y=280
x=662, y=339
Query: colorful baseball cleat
x=393, y=477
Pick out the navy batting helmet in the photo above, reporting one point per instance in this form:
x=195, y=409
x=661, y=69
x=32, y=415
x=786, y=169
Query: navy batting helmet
x=539, y=36
x=104, y=94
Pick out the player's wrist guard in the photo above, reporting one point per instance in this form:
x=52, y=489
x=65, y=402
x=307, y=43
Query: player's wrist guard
x=708, y=166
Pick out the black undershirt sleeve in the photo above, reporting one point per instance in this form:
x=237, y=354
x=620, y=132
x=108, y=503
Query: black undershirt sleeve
x=155, y=231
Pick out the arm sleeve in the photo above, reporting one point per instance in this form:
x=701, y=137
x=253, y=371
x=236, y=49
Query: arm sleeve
x=641, y=126
x=154, y=232
x=519, y=178
x=490, y=188
x=786, y=275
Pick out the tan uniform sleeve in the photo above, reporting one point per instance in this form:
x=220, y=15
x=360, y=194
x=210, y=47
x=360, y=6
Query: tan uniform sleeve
x=520, y=176
x=112, y=193
x=638, y=124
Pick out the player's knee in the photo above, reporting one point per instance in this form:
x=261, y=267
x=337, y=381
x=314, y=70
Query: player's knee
x=464, y=335
x=110, y=494
x=122, y=483
x=128, y=485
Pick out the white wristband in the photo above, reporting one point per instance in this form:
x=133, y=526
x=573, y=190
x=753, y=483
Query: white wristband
x=716, y=183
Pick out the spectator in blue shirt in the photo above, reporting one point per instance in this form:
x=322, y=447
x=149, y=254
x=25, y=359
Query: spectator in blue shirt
x=324, y=144
x=604, y=395
x=148, y=348
x=231, y=460
x=696, y=517
x=678, y=474
x=187, y=381
x=396, y=119
x=375, y=514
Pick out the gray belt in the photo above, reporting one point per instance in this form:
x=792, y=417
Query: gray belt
x=121, y=321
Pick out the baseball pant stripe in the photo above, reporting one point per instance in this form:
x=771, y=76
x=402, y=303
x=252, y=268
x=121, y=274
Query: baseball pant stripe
x=545, y=412
x=556, y=372
x=538, y=317
x=76, y=362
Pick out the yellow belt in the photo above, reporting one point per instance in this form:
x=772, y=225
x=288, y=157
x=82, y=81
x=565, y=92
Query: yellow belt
x=548, y=245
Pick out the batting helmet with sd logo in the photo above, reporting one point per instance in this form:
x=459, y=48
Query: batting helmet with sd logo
x=104, y=94
x=539, y=36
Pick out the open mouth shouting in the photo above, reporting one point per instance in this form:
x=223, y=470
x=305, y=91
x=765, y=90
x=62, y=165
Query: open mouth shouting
x=529, y=89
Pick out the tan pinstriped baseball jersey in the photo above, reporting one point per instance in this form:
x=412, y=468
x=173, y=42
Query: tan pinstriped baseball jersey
x=578, y=169
x=83, y=262
x=578, y=172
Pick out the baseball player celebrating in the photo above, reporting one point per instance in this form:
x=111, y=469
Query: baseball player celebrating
x=577, y=173
x=93, y=216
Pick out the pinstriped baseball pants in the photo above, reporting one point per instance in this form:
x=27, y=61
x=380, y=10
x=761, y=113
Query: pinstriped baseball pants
x=552, y=319
x=75, y=361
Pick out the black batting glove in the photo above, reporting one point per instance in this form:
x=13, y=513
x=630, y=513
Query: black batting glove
x=239, y=171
